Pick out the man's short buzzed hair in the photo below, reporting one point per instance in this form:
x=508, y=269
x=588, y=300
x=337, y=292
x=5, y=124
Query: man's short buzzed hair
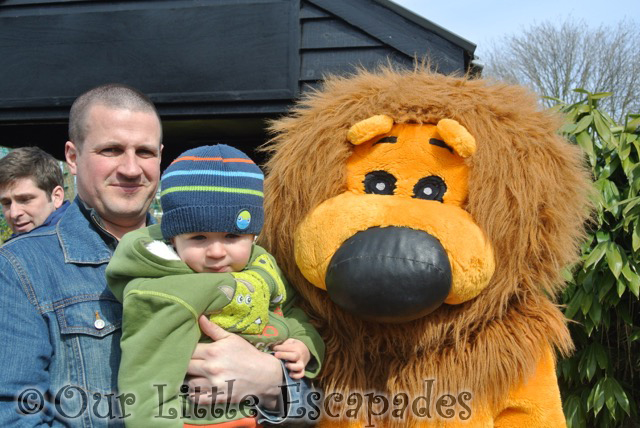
x=34, y=163
x=111, y=95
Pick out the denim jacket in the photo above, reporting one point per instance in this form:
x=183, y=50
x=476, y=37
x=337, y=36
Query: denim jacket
x=57, y=319
x=60, y=329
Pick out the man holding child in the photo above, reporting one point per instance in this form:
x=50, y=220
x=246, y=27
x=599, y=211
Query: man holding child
x=60, y=326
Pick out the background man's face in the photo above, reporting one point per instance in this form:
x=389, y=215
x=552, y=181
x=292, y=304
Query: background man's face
x=26, y=206
x=118, y=164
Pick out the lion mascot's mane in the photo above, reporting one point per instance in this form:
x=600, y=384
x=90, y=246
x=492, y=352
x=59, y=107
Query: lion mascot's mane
x=528, y=191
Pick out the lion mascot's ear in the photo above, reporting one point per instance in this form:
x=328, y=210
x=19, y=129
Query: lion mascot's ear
x=369, y=128
x=457, y=137
x=454, y=135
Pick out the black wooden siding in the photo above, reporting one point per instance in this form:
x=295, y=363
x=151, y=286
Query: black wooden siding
x=215, y=68
x=338, y=36
x=184, y=54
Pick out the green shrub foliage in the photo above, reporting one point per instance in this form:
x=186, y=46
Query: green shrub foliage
x=600, y=382
x=5, y=231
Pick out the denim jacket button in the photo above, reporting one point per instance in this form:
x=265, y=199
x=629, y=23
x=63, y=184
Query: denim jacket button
x=99, y=324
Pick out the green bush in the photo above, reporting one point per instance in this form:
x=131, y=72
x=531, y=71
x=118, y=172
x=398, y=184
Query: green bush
x=5, y=231
x=600, y=382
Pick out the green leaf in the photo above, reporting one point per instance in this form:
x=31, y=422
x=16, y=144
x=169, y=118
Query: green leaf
x=583, y=124
x=595, y=255
x=609, y=396
x=585, y=304
x=595, y=312
x=584, y=141
x=583, y=108
x=626, y=270
x=610, y=192
x=615, y=395
x=620, y=287
x=601, y=355
x=615, y=192
x=603, y=129
x=596, y=398
x=566, y=274
x=622, y=399
x=635, y=239
x=587, y=282
x=588, y=326
x=605, y=286
x=624, y=152
x=630, y=204
x=610, y=167
x=614, y=259
x=567, y=128
x=564, y=368
x=632, y=125
x=574, y=305
x=591, y=363
x=600, y=95
x=634, y=285
x=632, y=278
x=605, y=116
x=557, y=100
x=573, y=412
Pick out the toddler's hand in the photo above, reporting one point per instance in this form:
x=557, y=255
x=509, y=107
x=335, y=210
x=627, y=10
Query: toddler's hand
x=296, y=354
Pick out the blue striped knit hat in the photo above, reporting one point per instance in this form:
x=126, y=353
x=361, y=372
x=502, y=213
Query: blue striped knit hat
x=212, y=189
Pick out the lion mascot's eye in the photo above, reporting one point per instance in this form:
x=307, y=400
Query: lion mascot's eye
x=431, y=188
x=379, y=183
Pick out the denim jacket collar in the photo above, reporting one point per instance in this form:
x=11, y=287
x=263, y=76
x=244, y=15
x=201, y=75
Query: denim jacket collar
x=79, y=243
x=84, y=245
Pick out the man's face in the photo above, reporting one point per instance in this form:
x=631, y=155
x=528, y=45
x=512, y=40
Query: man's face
x=214, y=252
x=26, y=206
x=118, y=165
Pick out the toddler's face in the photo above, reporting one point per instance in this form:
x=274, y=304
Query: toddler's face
x=214, y=251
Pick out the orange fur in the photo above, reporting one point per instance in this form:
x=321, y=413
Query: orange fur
x=528, y=191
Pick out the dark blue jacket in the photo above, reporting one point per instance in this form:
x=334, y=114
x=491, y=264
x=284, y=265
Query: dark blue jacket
x=53, y=218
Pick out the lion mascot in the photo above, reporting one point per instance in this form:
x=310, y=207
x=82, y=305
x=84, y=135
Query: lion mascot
x=425, y=221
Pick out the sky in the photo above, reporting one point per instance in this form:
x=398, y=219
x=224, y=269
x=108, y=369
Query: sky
x=483, y=22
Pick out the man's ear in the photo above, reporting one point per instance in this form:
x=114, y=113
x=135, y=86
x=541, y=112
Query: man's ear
x=57, y=197
x=71, y=155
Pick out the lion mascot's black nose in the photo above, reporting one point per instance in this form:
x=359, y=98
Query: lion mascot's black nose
x=390, y=274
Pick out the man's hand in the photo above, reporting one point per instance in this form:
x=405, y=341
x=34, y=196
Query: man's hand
x=231, y=358
x=296, y=354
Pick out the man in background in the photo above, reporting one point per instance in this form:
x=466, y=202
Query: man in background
x=31, y=189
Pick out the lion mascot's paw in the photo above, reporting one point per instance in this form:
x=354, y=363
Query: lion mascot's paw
x=425, y=221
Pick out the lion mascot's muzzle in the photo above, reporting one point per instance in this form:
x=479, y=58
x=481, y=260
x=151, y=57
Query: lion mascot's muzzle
x=397, y=244
x=389, y=274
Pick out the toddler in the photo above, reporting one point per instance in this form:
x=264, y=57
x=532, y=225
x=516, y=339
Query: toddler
x=202, y=260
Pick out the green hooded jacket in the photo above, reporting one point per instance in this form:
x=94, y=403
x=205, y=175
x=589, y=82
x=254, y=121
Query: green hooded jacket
x=162, y=301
